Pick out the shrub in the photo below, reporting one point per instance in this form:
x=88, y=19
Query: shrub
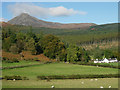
x=77, y=76
x=4, y=58
x=10, y=60
x=35, y=58
x=14, y=49
x=15, y=60
x=48, y=62
x=15, y=77
x=48, y=79
x=25, y=78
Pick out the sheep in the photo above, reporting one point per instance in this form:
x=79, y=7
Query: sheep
x=13, y=79
x=82, y=82
x=101, y=86
x=52, y=86
x=109, y=86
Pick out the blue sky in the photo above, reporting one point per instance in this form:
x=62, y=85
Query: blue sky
x=73, y=12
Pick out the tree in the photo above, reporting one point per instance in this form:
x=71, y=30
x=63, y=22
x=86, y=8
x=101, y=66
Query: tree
x=20, y=45
x=108, y=53
x=75, y=54
x=53, y=47
x=30, y=46
x=72, y=53
x=86, y=57
x=49, y=39
x=62, y=56
x=14, y=49
x=20, y=36
x=97, y=53
x=6, y=44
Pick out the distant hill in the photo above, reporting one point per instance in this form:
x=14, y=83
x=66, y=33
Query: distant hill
x=111, y=26
x=99, y=34
x=27, y=20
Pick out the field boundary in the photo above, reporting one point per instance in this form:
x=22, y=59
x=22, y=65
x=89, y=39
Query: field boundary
x=87, y=64
x=98, y=65
x=77, y=76
x=21, y=66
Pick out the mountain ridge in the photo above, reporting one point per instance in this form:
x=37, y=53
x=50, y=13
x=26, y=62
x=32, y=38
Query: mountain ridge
x=27, y=20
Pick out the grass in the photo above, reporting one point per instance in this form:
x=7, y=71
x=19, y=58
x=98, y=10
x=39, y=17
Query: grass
x=111, y=64
x=58, y=69
x=74, y=83
x=21, y=63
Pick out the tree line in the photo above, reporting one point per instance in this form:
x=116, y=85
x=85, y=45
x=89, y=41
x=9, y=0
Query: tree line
x=51, y=46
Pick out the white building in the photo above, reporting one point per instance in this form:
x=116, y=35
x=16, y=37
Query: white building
x=106, y=60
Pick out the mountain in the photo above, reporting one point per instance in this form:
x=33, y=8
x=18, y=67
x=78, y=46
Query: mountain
x=27, y=20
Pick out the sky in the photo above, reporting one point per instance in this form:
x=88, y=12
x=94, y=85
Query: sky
x=64, y=12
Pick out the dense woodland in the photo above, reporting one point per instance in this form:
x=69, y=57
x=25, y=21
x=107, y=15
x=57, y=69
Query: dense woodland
x=61, y=44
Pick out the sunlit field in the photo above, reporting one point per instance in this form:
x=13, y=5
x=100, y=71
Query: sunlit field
x=69, y=83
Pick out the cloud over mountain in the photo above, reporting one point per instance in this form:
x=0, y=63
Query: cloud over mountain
x=42, y=12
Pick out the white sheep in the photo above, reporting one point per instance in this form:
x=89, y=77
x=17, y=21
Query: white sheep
x=13, y=79
x=101, y=86
x=52, y=86
x=82, y=82
x=109, y=86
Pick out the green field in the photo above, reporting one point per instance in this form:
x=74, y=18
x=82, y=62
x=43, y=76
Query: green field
x=111, y=64
x=57, y=69
x=21, y=63
x=73, y=83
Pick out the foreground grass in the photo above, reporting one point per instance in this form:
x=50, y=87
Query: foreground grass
x=73, y=83
x=58, y=69
x=20, y=63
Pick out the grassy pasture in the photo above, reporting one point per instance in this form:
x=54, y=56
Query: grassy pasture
x=58, y=69
x=73, y=83
x=20, y=63
x=112, y=64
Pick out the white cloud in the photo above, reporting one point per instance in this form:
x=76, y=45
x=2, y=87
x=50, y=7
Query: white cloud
x=33, y=10
x=61, y=11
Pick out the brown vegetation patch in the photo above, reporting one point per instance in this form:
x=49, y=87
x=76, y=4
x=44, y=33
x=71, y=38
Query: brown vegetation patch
x=27, y=55
x=10, y=55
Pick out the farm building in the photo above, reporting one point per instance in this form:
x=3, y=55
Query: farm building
x=105, y=60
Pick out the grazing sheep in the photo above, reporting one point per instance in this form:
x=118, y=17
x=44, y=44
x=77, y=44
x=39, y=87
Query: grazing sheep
x=109, y=86
x=13, y=79
x=52, y=86
x=101, y=86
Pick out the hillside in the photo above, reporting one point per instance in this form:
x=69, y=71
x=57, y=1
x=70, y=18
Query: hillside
x=27, y=20
x=93, y=34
